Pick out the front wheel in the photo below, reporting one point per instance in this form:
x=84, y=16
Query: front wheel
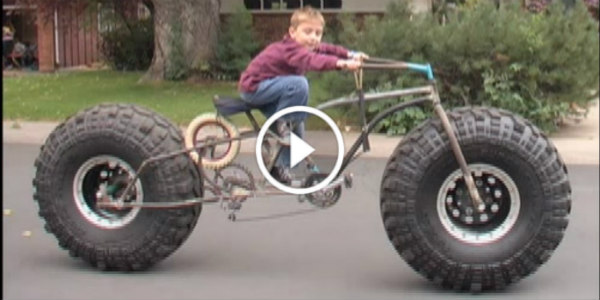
x=429, y=217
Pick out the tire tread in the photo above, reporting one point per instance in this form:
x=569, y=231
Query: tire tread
x=417, y=150
x=179, y=176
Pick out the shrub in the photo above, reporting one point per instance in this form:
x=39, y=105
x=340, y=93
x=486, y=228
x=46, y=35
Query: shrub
x=532, y=64
x=129, y=47
x=236, y=47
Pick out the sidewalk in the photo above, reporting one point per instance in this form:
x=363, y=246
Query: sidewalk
x=577, y=143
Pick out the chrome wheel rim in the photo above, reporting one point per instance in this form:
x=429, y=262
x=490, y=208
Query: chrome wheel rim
x=105, y=172
x=499, y=194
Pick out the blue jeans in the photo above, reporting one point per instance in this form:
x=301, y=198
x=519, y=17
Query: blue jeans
x=279, y=93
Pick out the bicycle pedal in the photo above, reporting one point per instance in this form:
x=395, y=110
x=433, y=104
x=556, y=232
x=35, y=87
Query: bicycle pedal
x=231, y=217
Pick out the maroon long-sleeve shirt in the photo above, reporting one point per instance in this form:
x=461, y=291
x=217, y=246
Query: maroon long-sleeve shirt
x=288, y=57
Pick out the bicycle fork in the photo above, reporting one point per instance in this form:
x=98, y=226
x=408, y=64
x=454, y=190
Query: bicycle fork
x=468, y=177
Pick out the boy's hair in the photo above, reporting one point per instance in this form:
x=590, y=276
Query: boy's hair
x=304, y=14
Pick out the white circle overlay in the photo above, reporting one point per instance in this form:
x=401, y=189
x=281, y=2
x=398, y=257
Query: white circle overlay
x=338, y=138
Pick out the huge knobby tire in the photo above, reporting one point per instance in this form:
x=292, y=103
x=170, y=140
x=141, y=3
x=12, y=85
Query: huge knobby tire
x=427, y=212
x=102, y=145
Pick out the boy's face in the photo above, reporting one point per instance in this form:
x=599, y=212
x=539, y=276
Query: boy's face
x=308, y=33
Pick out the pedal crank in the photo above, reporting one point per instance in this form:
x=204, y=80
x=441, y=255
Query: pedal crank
x=329, y=195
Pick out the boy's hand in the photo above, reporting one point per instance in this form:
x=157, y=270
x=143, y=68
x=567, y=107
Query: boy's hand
x=357, y=55
x=349, y=64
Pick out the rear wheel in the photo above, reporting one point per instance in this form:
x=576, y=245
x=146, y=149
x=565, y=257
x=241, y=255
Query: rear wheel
x=95, y=154
x=427, y=211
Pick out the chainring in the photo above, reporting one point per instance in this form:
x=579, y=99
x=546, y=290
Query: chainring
x=234, y=175
x=323, y=198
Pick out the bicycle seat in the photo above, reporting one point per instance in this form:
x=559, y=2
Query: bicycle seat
x=228, y=106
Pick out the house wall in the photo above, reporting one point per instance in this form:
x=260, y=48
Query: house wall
x=271, y=25
x=355, y=6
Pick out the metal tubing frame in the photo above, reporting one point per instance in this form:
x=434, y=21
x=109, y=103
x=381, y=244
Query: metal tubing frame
x=350, y=154
x=427, y=93
x=422, y=90
x=431, y=94
x=348, y=157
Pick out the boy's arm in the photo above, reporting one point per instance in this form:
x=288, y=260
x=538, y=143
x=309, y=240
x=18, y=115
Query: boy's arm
x=331, y=49
x=341, y=52
x=303, y=58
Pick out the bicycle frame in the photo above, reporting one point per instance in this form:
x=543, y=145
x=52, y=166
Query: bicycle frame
x=426, y=94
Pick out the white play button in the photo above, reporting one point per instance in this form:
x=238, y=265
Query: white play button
x=299, y=150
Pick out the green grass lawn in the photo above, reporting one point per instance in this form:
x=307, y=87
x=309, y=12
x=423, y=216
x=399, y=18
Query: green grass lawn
x=54, y=97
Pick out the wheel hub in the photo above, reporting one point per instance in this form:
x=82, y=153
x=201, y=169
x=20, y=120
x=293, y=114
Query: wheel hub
x=104, y=178
x=500, y=197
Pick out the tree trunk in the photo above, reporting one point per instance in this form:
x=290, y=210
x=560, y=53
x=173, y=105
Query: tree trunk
x=186, y=28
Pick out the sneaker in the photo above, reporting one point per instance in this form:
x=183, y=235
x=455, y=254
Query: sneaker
x=281, y=174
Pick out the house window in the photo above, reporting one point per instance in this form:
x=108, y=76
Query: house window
x=291, y=4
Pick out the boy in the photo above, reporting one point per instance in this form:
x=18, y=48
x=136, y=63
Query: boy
x=275, y=80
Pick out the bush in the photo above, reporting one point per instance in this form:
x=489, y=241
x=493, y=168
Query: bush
x=236, y=47
x=535, y=65
x=129, y=47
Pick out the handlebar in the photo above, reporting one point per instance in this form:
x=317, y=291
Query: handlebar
x=375, y=63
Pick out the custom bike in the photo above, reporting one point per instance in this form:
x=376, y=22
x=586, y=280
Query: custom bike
x=475, y=198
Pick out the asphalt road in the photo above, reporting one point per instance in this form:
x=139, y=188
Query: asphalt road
x=338, y=253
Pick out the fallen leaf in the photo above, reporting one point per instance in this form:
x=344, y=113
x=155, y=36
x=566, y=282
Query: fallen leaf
x=27, y=233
